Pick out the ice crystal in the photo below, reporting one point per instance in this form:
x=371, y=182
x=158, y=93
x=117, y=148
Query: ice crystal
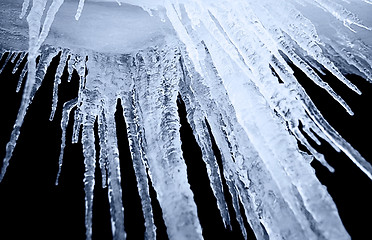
x=231, y=64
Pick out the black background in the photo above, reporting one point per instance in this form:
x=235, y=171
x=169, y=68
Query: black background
x=32, y=207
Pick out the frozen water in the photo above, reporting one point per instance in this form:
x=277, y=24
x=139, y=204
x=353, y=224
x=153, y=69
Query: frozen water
x=230, y=62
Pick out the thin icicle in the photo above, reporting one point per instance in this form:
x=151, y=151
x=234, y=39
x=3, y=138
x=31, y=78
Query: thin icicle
x=52, y=11
x=308, y=131
x=2, y=55
x=67, y=107
x=25, y=5
x=310, y=73
x=21, y=78
x=77, y=125
x=79, y=10
x=14, y=57
x=333, y=135
x=10, y=54
x=19, y=61
x=70, y=66
x=57, y=81
x=342, y=14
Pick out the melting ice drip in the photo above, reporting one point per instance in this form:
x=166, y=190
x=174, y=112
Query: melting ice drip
x=225, y=60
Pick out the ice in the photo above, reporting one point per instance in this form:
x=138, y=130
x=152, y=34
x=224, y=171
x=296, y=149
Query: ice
x=136, y=144
x=230, y=63
x=79, y=10
x=67, y=107
x=19, y=61
x=57, y=81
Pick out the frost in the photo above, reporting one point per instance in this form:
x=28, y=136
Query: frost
x=231, y=63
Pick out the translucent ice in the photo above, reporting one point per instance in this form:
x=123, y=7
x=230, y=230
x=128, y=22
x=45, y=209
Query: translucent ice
x=230, y=62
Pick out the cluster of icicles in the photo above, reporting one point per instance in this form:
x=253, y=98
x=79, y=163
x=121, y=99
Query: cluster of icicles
x=225, y=65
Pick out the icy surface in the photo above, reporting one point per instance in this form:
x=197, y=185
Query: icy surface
x=229, y=61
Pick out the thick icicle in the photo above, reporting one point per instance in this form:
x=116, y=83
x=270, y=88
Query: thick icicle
x=166, y=165
x=114, y=181
x=96, y=101
x=103, y=158
x=90, y=165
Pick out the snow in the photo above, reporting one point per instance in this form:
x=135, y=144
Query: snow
x=225, y=60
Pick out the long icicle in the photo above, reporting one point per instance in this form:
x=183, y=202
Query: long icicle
x=67, y=107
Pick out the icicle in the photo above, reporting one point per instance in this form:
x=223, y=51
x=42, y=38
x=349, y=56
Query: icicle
x=72, y=60
x=93, y=102
x=2, y=55
x=114, y=182
x=308, y=131
x=77, y=125
x=310, y=73
x=25, y=5
x=20, y=60
x=183, y=35
x=67, y=107
x=235, y=203
x=34, y=26
x=342, y=14
x=233, y=55
x=90, y=163
x=103, y=158
x=52, y=11
x=196, y=120
x=21, y=77
x=35, y=76
x=14, y=57
x=332, y=134
x=166, y=165
x=109, y=161
x=137, y=149
x=229, y=84
x=79, y=10
x=57, y=81
x=303, y=33
x=6, y=61
x=288, y=78
x=32, y=85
